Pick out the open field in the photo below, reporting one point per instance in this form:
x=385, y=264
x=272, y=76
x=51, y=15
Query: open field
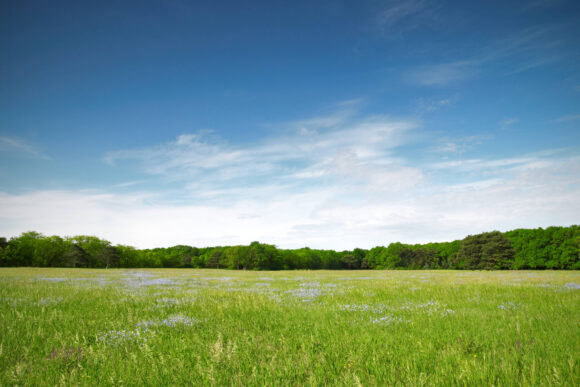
x=216, y=327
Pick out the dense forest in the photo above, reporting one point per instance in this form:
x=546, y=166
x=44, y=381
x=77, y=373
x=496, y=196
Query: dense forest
x=550, y=248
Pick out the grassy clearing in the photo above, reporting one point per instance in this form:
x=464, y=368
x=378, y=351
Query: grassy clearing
x=215, y=327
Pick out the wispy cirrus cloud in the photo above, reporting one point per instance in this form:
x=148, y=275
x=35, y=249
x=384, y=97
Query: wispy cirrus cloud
x=428, y=105
x=555, y=164
x=331, y=147
x=459, y=145
x=20, y=147
x=568, y=118
x=507, y=122
x=522, y=51
x=443, y=74
x=497, y=165
x=405, y=15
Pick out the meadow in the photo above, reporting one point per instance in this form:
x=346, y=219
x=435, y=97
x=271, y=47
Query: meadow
x=240, y=328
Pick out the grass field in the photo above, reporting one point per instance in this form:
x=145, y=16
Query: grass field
x=216, y=327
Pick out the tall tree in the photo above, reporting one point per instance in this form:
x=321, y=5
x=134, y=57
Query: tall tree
x=107, y=257
x=487, y=251
x=76, y=256
x=350, y=262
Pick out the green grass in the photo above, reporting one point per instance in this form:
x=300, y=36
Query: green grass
x=216, y=327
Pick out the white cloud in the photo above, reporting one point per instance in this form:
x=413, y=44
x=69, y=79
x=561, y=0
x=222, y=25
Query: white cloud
x=359, y=195
x=307, y=149
x=129, y=184
x=338, y=181
x=459, y=145
x=498, y=166
x=389, y=176
x=523, y=192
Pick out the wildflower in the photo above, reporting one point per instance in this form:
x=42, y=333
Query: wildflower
x=508, y=306
x=172, y=321
x=166, y=301
x=116, y=338
x=45, y=301
x=305, y=294
x=52, y=279
x=387, y=320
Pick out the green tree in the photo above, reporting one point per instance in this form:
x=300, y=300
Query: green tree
x=109, y=256
x=350, y=262
x=92, y=246
x=487, y=251
x=5, y=258
x=49, y=251
x=23, y=248
x=128, y=256
x=376, y=257
x=76, y=256
x=394, y=255
x=215, y=259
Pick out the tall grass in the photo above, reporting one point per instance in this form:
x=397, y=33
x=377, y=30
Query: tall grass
x=214, y=327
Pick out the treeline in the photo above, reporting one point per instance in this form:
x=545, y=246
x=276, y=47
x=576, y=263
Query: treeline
x=551, y=248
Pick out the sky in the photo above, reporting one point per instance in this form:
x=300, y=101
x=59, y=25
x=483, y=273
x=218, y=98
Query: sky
x=328, y=124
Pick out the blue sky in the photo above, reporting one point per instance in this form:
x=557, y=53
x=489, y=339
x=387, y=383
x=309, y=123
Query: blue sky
x=329, y=124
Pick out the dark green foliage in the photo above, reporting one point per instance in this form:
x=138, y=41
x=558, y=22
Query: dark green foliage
x=3, y=243
x=350, y=262
x=109, y=256
x=487, y=251
x=551, y=248
x=76, y=256
x=128, y=256
x=215, y=259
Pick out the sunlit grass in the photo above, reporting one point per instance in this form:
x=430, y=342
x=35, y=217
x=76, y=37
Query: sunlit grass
x=215, y=327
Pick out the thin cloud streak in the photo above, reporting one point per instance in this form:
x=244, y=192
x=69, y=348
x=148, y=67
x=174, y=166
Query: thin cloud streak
x=19, y=146
x=509, y=121
x=567, y=118
x=443, y=74
x=306, y=149
x=459, y=145
x=523, y=51
x=501, y=165
x=406, y=15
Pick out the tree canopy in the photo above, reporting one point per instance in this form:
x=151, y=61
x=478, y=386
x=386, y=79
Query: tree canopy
x=551, y=248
